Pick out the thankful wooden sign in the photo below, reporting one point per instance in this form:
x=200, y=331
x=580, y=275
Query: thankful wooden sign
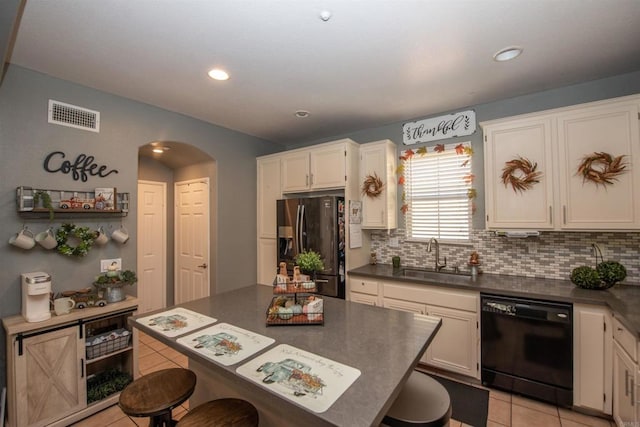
x=442, y=127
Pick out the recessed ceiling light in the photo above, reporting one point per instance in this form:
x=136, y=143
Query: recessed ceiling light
x=302, y=114
x=218, y=74
x=507, y=54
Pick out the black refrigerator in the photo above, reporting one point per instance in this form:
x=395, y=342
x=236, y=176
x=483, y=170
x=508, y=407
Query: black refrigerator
x=318, y=224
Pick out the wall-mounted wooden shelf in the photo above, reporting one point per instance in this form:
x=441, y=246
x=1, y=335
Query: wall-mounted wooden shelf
x=68, y=204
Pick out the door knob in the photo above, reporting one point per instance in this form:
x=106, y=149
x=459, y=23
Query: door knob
x=203, y=265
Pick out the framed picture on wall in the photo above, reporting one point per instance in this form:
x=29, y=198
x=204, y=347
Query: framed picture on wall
x=105, y=199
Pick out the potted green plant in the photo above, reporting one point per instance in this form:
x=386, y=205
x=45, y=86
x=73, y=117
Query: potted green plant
x=111, y=284
x=309, y=262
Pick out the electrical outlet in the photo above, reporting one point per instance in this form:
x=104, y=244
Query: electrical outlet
x=105, y=263
x=532, y=247
x=393, y=242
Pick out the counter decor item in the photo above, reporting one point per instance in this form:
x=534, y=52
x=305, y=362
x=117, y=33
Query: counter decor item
x=395, y=261
x=309, y=262
x=601, y=168
x=604, y=276
x=74, y=240
x=111, y=282
x=521, y=174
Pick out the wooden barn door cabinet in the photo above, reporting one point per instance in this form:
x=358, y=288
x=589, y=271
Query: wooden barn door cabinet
x=49, y=363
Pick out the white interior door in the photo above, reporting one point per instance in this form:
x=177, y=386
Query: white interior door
x=152, y=237
x=192, y=240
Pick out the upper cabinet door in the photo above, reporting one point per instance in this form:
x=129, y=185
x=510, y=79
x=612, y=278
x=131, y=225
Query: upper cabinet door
x=295, y=172
x=379, y=159
x=328, y=167
x=585, y=204
x=508, y=204
x=268, y=193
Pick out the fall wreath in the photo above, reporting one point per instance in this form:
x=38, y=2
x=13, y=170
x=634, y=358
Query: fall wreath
x=521, y=174
x=82, y=234
x=601, y=168
x=372, y=186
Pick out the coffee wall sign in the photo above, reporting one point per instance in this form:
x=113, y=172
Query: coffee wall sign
x=442, y=127
x=80, y=169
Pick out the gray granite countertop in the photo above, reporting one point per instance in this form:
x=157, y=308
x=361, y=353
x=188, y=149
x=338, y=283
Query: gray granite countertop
x=624, y=300
x=385, y=345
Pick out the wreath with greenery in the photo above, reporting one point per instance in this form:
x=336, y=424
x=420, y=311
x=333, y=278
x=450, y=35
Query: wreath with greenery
x=83, y=234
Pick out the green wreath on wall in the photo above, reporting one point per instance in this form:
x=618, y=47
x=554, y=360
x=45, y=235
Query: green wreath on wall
x=83, y=234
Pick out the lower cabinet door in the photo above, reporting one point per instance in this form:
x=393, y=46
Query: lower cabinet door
x=624, y=388
x=50, y=381
x=455, y=346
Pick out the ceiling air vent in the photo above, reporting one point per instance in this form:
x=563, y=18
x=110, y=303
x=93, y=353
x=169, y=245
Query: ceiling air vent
x=73, y=116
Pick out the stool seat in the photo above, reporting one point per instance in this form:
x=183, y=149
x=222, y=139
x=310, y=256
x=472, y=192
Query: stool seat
x=156, y=394
x=422, y=401
x=221, y=412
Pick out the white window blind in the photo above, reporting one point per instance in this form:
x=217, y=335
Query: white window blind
x=436, y=195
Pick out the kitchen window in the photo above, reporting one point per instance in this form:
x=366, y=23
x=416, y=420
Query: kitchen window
x=436, y=186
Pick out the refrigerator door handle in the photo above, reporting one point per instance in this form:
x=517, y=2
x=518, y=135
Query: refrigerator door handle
x=300, y=231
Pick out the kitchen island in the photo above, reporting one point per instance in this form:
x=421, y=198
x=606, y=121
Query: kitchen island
x=383, y=345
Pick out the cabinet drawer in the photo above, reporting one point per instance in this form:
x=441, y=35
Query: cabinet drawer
x=364, y=286
x=442, y=297
x=626, y=339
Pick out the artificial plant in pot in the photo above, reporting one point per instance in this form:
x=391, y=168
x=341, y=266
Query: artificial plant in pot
x=111, y=283
x=309, y=262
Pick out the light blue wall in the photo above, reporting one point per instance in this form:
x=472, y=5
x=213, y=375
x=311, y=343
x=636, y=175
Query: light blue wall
x=26, y=138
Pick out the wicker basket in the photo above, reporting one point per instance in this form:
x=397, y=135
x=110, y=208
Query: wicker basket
x=115, y=341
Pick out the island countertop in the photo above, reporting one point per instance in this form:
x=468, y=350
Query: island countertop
x=384, y=345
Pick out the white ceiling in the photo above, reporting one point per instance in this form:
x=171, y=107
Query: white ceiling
x=374, y=62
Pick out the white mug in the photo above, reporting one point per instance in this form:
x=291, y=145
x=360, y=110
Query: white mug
x=63, y=305
x=46, y=239
x=24, y=239
x=121, y=235
x=101, y=237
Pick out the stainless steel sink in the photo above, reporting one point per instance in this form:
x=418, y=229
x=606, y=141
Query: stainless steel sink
x=425, y=273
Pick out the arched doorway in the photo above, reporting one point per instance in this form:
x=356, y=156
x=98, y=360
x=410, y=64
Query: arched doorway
x=176, y=163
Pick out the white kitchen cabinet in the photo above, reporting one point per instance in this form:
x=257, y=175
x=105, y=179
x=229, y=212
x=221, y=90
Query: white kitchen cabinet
x=50, y=369
x=610, y=128
x=529, y=139
x=379, y=159
x=625, y=376
x=268, y=192
x=592, y=360
x=320, y=167
x=456, y=346
x=558, y=140
x=363, y=290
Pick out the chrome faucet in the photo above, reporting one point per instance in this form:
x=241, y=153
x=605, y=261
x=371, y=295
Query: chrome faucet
x=438, y=265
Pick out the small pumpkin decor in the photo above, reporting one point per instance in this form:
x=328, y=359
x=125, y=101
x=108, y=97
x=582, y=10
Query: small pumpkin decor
x=601, y=168
x=73, y=240
x=605, y=275
x=372, y=186
x=521, y=174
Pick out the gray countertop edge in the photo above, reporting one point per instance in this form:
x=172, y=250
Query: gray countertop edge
x=623, y=300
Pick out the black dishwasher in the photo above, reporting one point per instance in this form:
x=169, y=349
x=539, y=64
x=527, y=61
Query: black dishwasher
x=527, y=347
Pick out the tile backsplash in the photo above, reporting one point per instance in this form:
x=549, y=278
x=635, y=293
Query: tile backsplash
x=552, y=255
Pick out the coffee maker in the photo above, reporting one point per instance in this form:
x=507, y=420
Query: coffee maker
x=36, y=288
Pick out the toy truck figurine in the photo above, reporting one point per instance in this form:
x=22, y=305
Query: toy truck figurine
x=75, y=203
x=220, y=343
x=294, y=375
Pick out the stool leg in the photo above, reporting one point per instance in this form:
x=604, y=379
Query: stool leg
x=163, y=420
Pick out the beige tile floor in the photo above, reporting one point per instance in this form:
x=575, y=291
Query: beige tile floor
x=505, y=410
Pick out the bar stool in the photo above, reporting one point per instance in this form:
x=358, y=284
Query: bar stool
x=221, y=412
x=422, y=402
x=156, y=394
